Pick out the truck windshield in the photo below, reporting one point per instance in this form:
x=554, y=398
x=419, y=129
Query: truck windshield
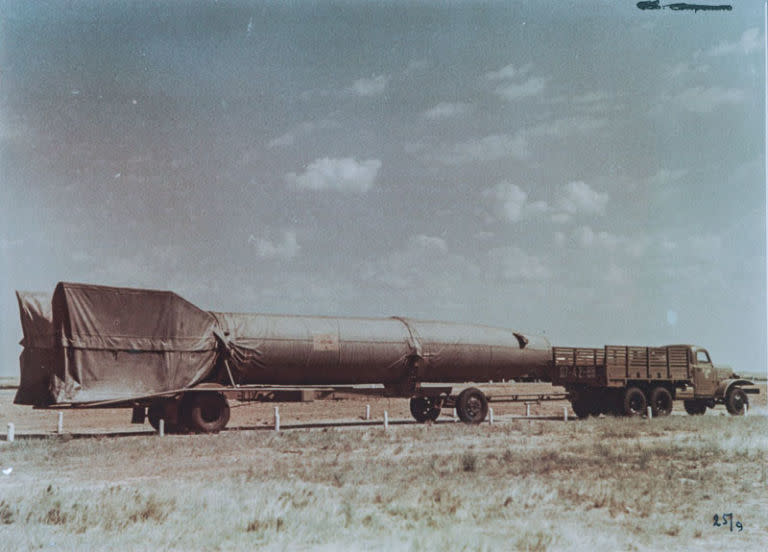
x=702, y=357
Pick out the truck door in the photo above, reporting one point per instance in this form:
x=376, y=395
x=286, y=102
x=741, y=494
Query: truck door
x=704, y=374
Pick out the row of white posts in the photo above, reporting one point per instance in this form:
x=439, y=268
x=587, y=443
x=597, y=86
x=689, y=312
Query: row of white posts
x=386, y=415
x=11, y=435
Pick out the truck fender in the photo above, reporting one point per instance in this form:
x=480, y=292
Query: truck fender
x=726, y=385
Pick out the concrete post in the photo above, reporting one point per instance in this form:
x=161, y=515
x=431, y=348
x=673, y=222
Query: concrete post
x=60, y=425
x=161, y=427
x=650, y=413
x=490, y=416
x=367, y=411
x=386, y=420
x=565, y=413
x=277, y=418
x=527, y=410
x=11, y=432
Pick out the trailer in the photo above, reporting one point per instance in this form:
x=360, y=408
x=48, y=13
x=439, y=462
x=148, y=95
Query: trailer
x=159, y=354
x=625, y=380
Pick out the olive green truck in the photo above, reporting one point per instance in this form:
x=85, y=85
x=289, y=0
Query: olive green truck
x=625, y=380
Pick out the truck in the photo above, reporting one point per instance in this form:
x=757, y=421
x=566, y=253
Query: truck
x=90, y=346
x=625, y=380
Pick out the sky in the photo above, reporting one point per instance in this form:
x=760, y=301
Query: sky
x=586, y=171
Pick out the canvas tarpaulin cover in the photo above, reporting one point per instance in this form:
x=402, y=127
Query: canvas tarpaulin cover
x=36, y=359
x=114, y=343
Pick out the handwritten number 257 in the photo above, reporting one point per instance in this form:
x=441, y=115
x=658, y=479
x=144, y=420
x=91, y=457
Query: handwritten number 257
x=727, y=521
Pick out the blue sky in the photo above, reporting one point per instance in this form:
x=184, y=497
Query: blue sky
x=584, y=170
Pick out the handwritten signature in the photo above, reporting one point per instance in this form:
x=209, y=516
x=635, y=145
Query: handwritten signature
x=678, y=6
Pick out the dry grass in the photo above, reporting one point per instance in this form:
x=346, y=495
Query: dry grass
x=613, y=484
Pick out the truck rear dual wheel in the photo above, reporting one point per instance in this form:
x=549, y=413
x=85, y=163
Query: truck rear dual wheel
x=634, y=402
x=472, y=406
x=661, y=401
x=424, y=409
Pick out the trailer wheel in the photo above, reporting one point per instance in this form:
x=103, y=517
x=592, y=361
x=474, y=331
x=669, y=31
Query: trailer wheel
x=167, y=410
x=424, y=409
x=472, y=406
x=634, y=402
x=736, y=402
x=694, y=407
x=205, y=412
x=661, y=401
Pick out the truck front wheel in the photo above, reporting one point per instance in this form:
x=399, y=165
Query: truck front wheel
x=634, y=402
x=736, y=402
x=472, y=406
x=205, y=412
x=661, y=401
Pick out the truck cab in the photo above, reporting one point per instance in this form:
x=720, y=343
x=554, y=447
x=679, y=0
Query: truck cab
x=714, y=384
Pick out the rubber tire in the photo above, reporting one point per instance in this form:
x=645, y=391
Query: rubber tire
x=167, y=409
x=736, y=401
x=694, y=407
x=205, y=412
x=661, y=402
x=472, y=406
x=424, y=409
x=634, y=402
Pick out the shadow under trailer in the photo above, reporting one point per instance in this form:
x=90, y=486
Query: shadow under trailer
x=90, y=346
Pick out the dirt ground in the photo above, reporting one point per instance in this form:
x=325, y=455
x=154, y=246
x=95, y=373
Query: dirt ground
x=521, y=484
x=345, y=408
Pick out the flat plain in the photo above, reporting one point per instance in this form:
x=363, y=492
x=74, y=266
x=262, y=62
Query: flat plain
x=519, y=484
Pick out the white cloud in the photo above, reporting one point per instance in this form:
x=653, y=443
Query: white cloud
x=304, y=129
x=578, y=197
x=370, y=87
x=567, y=126
x=561, y=218
x=447, y=110
x=488, y=148
x=428, y=243
x=514, y=91
x=405, y=268
x=283, y=140
x=586, y=237
x=686, y=68
x=749, y=43
x=7, y=245
x=511, y=202
x=416, y=65
x=665, y=177
x=705, y=100
x=514, y=264
x=342, y=174
x=287, y=248
x=507, y=72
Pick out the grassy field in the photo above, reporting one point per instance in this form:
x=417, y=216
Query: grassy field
x=599, y=484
